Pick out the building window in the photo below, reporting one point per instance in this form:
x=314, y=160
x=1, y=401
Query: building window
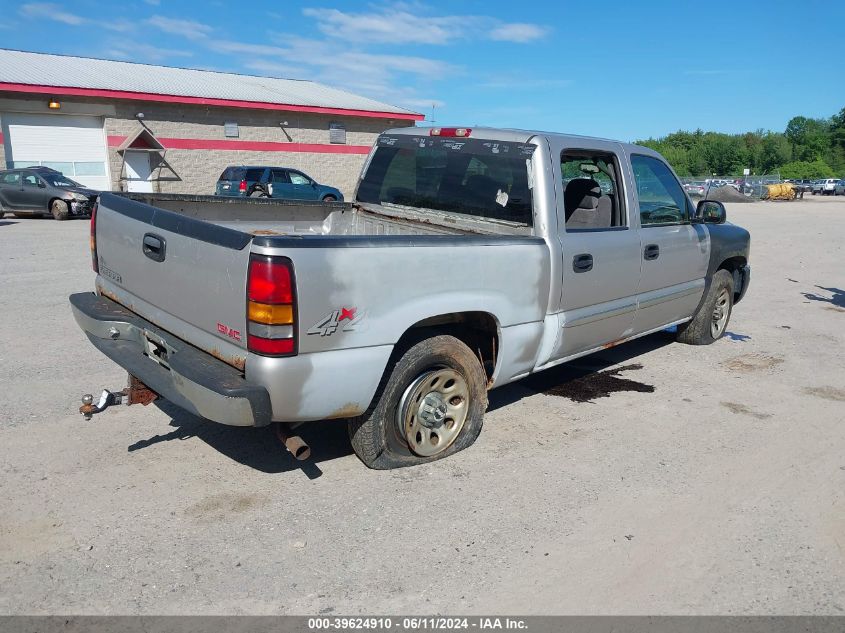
x=230, y=129
x=337, y=133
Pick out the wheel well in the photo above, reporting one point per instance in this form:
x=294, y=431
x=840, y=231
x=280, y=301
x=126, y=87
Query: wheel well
x=735, y=265
x=478, y=330
x=52, y=200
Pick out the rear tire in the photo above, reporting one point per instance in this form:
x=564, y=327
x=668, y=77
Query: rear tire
x=710, y=322
x=60, y=210
x=436, y=389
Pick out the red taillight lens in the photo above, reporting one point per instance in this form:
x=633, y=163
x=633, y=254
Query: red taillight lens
x=242, y=186
x=269, y=281
x=270, y=346
x=93, y=240
x=271, y=306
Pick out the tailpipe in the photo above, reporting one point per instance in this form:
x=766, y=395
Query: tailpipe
x=296, y=445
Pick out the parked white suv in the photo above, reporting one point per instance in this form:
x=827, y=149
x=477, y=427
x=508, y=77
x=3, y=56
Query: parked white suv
x=825, y=187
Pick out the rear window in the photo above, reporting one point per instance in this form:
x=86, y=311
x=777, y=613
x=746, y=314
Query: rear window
x=473, y=177
x=232, y=173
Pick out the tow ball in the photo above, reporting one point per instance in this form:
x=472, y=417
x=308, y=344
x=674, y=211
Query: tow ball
x=135, y=392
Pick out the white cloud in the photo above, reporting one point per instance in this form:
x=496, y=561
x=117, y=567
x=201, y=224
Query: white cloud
x=130, y=51
x=49, y=11
x=185, y=28
x=518, y=32
x=404, y=24
x=521, y=82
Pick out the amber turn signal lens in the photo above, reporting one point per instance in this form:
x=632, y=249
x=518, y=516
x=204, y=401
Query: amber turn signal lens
x=270, y=314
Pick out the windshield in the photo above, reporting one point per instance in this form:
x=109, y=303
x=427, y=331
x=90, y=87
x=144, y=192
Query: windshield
x=474, y=177
x=58, y=180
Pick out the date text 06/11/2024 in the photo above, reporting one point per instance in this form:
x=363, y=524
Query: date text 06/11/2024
x=415, y=623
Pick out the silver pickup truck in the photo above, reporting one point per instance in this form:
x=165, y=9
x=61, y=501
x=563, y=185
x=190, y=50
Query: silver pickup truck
x=469, y=259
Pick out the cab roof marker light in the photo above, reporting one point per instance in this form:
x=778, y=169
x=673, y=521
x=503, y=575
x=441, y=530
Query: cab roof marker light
x=460, y=132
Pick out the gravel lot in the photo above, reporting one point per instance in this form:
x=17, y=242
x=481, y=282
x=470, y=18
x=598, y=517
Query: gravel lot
x=711, y=482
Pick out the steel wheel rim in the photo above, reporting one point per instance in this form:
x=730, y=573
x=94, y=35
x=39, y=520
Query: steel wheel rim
x=720, y=313
x=433, y=411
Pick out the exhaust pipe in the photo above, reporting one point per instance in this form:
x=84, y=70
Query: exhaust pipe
x=296, y=445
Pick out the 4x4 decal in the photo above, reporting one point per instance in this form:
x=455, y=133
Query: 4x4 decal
x=345, y=319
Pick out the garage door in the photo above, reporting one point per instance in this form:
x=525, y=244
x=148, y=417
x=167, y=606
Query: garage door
x=74, y=145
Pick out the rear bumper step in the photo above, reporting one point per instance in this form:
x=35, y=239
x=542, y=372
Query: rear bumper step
x=179, y=372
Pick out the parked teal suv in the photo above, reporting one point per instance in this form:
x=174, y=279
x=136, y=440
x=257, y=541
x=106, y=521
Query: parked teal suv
x=273, y=182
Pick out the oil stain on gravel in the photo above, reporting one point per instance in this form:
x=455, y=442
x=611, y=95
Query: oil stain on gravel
x=224, y=505
x=746, y=363
x=599, y=385
x=741, y=409
x=826, y=393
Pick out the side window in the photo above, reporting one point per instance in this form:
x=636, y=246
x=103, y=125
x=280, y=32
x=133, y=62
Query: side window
x=279, y=176
x=12, y=178
x=592, y=198
x=299, y=179
x=30, y=180
x=662, y=200
x=254, y=175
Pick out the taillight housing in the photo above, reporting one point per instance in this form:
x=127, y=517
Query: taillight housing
x=93, y=239
x=460, y=132
x=242, y=186
x=271, y=306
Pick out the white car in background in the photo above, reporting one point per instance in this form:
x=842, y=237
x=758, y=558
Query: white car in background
x=825, y=186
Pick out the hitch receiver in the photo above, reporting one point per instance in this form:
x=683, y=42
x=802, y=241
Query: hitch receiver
x=135, y=392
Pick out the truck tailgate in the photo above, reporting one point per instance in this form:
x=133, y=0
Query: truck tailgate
x=186, y=276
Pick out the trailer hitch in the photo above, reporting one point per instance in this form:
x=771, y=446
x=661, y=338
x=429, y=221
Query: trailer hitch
x=135, y=392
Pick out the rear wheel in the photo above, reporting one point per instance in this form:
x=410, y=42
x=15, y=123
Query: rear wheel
x=60, y=210
x=430, y=405
x=711, y=320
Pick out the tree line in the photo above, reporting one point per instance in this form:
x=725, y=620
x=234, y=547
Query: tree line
x=807, y=148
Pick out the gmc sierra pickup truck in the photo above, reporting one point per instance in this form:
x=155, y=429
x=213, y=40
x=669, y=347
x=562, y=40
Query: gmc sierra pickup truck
x=469, y=259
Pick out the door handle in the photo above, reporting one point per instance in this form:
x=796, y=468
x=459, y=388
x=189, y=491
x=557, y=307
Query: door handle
x=582, y=263
x=652, y=251
x=154, y=247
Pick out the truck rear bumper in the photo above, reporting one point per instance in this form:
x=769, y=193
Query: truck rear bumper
x=188, y=377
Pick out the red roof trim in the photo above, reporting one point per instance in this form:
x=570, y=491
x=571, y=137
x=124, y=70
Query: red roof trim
x=230, y=103
x=253, y=146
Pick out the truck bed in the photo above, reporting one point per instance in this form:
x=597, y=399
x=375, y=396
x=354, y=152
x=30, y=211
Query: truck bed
x=274, y=217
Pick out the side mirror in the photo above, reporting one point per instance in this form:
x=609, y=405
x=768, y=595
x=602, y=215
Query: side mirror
x=42, y=184
x=711, y=212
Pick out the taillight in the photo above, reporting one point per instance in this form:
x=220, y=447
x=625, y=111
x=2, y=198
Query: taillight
x=460, y=132
x=93, y=238
x=271, y=306
x=242, y=186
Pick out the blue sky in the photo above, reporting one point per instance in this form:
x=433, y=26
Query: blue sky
x=617, y=69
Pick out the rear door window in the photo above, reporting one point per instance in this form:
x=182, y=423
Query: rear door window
x=279, y=176
x=254, y=175
x=11, y=178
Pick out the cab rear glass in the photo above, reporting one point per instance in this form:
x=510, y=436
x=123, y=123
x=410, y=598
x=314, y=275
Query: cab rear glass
x=473, y=177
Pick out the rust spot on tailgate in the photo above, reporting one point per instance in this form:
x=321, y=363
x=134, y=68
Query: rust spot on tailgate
x=265, y=232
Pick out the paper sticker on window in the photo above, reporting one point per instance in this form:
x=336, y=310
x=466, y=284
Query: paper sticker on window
x=502, y=198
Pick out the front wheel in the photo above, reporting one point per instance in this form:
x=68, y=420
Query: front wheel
x=60, y=210
x=430, y=405
x=711, y=320
x=329, y=198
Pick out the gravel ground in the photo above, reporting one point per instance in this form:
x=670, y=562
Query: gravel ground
x=653, y=478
